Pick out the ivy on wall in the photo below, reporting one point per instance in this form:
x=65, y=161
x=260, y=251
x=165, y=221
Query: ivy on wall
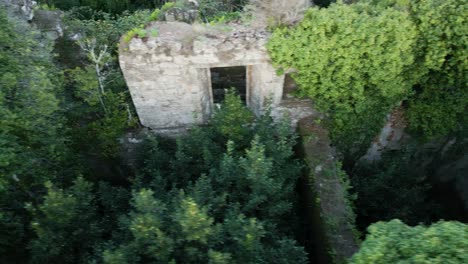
x=358, y=61
x=441, y=101
x=352, y=61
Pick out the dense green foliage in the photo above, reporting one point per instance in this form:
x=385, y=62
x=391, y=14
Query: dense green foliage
x=30, y=118
x=110, y=6
x=215, y=9
x=438, y=107
x=395, y=242
x=440, y=104
x=239, y=192
x=359, y=61
x=100, y=110
x=234, y=203
x=32, y=148
x=229, y=205
x=103, y=27
x=62, y=223
x=224, y=193
x=401, y=185
x=350, y=66
x=38, y=106
x=208, y=8
x=366, y=62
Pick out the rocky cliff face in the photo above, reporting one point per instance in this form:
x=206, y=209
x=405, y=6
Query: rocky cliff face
x=24, y=9
x=49, y=23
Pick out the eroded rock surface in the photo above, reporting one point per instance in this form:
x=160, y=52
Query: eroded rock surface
x=22, y=8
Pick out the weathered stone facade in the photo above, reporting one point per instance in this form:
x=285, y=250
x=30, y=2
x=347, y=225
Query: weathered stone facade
x=169, y=75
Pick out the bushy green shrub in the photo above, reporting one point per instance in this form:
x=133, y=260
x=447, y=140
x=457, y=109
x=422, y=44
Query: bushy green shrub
x=136, y=32
x=62, y=222
x=32, y=130
x=377, y=54
x=225, y=17
x=111, y=6
x=167, y=6
x=210, y=9
x=155, y=15
x=395, y=242
x=352, y=68
x=215, y=195
x=440, y=104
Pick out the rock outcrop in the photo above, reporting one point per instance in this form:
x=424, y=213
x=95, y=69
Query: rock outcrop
x=24, y=9
x=49, y=23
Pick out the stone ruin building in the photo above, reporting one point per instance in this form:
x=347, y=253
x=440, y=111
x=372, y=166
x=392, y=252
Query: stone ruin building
x=178, y=76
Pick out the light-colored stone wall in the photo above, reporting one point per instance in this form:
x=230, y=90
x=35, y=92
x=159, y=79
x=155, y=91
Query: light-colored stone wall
x=169, y=75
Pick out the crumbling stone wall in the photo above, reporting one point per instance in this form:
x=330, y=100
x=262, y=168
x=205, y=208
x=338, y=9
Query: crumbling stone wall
x=328, y=210
x=169, y=75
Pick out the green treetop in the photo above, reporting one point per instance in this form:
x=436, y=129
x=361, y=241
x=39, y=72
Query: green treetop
x=395, y=242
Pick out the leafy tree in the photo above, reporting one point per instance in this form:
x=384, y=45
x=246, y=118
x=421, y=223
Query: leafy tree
x=111, y=6
x=194, y=211
x=397, y=187
x=350, y=66
x=32, y=138
x=72, y=225
x=233, y=121
x=30, y=120
x=66, y=224
x=210, y=9
x=441, y=35
x=439, y=110
x=183, y=232
x=242, y=196
x=439, y=107
x=100, y=109
x=103, y=28
x=113, y=202
x=162, y=234
x=108, y=111
x=262, y=171
x=395, y=242
x=357, y=72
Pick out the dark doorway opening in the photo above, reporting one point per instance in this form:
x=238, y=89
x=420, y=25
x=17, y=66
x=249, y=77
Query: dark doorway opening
x=290, y=86
x=228, y=78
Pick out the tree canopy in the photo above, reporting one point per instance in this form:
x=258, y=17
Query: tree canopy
x=395, y=242
x=32, y=139
x=358, y=61
x=224, y=192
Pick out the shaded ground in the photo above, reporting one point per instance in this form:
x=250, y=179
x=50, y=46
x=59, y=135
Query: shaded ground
x=328, y=213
